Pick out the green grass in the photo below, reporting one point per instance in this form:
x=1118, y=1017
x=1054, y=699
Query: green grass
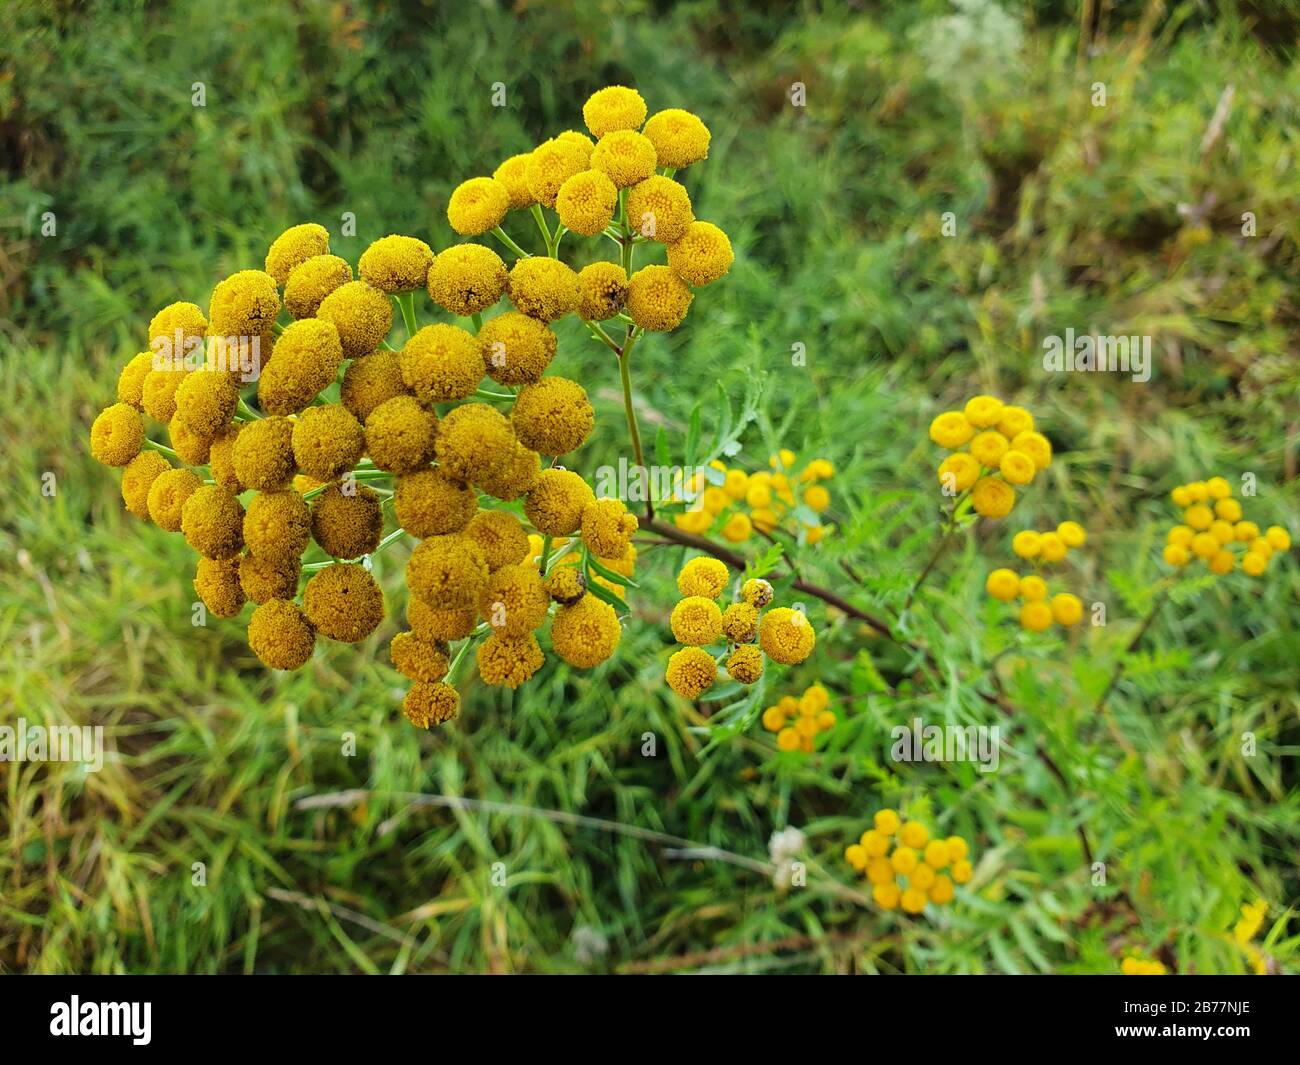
x=1067, y=216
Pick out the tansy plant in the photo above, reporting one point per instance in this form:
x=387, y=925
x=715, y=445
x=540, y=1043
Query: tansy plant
x=906, y=867
x=304, y=438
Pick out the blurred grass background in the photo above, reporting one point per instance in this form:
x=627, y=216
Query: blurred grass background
x=1125, y=218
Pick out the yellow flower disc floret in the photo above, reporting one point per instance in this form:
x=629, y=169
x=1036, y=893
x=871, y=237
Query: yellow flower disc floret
x=213, y=522
x=448, y=572
x=587, y=633
x=951, y=430
x=679, y=137
x=556, y=503
x=216, y=583
x=625, y=157
x=467, y=279
x=660, y=208
x=370, y=381
x=206, y=402
x=304, y=362
x=312, y=281
x=602, y=291
x=396, y=264
x=500, y=536
x=607, y=528
x=507, y=660
x=362, y=315
x=280, y=635
x=745, y=664
x=327, y=441
x=347, y=524
x=707, y=577
x=277, y=525
x=167, y=496
x=117, y=435
x=586, y=202
x=702, y=254
x=612, y=108
x=294, y=247
x=993, y=498
x=427, y=705
x=442, y=363
x=344, y=602
x=138, y=477
x=514, y=600
x=400, y=435
x=657, y=299
x=550, y=165
x=513, y=174
x=478, y=205
x=516, y=349
x=786, y=636
x=473, y=441
x=543, y=288
x=263, y=454
x=553, y=416
x=418, y=658
x=243, y=305
x=696, y=621
x=740, y=623
x=429, y=503
x=691, y=672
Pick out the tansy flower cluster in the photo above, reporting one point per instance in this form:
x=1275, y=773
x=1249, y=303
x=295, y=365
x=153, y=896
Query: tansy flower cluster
x=270, y=464
x=749, y=629
x=1047, y=547
x=995, y=450
x=1246, y=928
x=738, y=503
x=1213, y=522
x=1037, y=611
x=619, y=183
x=797, y=722
x=1132, y=965
x=907, y=869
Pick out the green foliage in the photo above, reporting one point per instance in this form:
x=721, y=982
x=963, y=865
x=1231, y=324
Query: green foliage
x=1125, y=218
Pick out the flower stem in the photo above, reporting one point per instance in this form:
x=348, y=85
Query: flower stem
x=600, y=334
x=485, y=394
x=245, y=409
x=540, y=219
x=625, y=375
x=406, y=301
x=500, y=234
x=153, y=445
x=477, y=319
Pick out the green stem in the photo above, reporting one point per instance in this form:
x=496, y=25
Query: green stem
x=500, y=234
x=485, y=394
x=153, y=445
x=669, y=171
x=555, y=244
x=540, y=219
x=450, y=678
x=545, y=559
x=406, y=301
x=245, y=409
x=627, y=256
x=600, y=334
x=625, y=376
x=477, y=319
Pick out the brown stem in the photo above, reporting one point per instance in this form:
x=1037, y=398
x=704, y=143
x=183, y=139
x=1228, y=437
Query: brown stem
x=938, y=553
